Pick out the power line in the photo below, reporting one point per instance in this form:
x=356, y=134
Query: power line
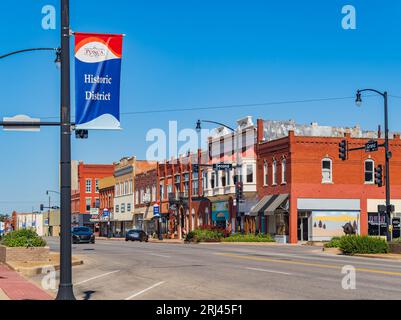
x=233, y=106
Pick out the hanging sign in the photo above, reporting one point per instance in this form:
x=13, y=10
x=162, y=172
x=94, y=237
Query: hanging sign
x=97, y=80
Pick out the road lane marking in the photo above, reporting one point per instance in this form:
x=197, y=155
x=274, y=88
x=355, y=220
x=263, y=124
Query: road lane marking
x=319, y=265
x=158, y=255
x=270, y=271
x=97, y=277
x=144, y=290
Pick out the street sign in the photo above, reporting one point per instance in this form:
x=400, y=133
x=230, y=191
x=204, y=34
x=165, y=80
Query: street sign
x=106, y=212
x=371, y=146
x=156, y=211
x=222, y=166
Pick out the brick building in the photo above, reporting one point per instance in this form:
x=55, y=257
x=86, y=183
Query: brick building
x=124, y=199
x=182, y=204
x=145, y=198
x=85, y=201
x=307, y=193
x=106, y=195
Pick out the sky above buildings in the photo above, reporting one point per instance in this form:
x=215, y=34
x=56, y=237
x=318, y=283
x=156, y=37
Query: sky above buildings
x=185, y=54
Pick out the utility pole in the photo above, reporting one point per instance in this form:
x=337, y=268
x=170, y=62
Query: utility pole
x=65, y=291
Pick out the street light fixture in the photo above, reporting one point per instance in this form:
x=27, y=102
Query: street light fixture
x=238, y=173
x=389, y=207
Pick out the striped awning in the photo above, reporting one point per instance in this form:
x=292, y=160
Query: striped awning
x=261, y=205
x=275, y=203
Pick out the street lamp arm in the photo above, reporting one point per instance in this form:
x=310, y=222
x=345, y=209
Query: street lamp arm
x=220, y=124
x=27, y=50
x=372, y=90
x=47, y=191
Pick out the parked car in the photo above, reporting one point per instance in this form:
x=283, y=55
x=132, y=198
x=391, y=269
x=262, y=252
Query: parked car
x=136, y=235
x=82, y=235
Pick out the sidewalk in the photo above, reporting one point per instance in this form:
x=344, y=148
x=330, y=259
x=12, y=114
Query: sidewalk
x=15, y=287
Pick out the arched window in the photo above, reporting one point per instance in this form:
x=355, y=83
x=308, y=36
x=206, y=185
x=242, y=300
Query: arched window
x=274, y=172
x=284, y=171
x=369, y=171
x=327, y=171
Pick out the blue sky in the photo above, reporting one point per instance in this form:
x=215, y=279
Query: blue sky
x=188, y=53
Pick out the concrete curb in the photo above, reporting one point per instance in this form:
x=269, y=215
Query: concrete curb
x=33, y=271
x=379, y=256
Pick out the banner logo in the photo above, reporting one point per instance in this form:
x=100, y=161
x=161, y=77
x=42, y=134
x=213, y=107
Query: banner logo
x=97, y=80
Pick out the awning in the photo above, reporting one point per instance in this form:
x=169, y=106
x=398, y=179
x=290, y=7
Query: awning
x=275, y=203
x=261, y=205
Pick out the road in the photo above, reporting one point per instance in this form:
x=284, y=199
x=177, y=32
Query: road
x=125, y=270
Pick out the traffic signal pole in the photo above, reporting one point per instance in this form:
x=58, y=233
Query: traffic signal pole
x=387, y=151
x=389, y=207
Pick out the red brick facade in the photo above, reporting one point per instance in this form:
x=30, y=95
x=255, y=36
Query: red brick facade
x=303, y=157
x=88, y=177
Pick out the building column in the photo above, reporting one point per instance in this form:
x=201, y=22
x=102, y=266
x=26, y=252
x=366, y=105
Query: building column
x=363, y=218
x=293, y=220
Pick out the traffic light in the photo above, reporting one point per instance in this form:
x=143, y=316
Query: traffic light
x=239, y=190
x=342, y=149
x=379, y=175
x=81, y=134
x=42, y=207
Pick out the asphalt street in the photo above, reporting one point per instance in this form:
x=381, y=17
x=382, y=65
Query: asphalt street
x=132, y=270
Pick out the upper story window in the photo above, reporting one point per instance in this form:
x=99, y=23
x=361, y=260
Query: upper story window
x=136, y=197
x=116, y=189
x=223, y=178
x=212, y=179
x=369, y=171
x=284, y=171
x=97, y=185
x=88, y=185
x=327, y=170
x=154, y=193
x=274, y=172
x=265, y=173
x=161, y=190
x=249, y=173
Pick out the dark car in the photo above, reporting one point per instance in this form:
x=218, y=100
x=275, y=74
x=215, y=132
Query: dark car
x=82, y=235
x=136, y=235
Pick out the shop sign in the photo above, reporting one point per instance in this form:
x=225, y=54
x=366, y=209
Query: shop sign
x=220, y=211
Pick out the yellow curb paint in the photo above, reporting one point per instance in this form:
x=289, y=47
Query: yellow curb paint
x=320, y=265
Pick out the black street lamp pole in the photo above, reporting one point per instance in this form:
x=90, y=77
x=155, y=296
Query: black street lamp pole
x=65, y=291
x=387, y=155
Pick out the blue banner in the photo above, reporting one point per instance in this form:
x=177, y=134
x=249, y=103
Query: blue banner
x=97, y=80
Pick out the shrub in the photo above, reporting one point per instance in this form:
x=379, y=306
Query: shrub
x=353, y=244
x=204, y=235
x=238, y=237
x=23, y=238
x=333, y=243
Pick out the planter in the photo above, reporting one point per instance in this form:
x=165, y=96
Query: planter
x=22, y=254
x=281, y=238
x=395, y=247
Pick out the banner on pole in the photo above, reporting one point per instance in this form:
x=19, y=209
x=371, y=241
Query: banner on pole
x=97, y=80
